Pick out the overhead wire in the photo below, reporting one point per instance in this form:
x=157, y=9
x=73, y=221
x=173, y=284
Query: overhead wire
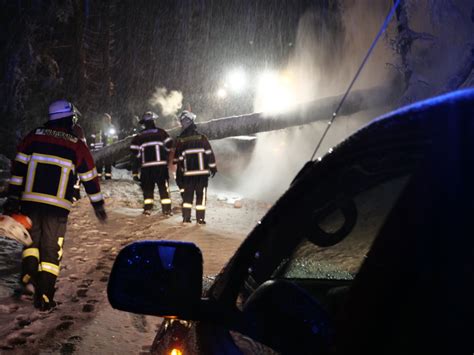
x=385, y=24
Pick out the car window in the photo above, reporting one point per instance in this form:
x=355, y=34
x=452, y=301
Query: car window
x=342, y=261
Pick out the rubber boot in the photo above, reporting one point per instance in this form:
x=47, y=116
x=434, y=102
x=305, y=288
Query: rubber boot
x=186, y=215
x=45, y=291
x=167, y=209
x=147, y=209
x=200, y=214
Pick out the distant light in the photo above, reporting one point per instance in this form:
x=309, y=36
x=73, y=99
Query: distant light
x=221, y=93
x=112, y=131
x=275, y=92
x=268, y=80
x=236, y=80
x=176, y=352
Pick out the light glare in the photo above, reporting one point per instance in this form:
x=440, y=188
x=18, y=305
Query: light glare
x=221, y=93
x=274, y=92
x=236, y=80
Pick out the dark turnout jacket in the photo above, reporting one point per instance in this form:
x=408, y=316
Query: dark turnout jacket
x=193, y=155
x=150, y=148
x=44, y=170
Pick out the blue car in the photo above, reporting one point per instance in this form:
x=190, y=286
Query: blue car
x=370, y=250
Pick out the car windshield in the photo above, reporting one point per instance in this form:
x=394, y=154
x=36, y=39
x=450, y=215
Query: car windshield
x=343, y=260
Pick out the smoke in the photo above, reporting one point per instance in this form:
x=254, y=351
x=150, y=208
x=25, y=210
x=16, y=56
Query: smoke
x=168, y=102
x=327, y=53
x=279, y=155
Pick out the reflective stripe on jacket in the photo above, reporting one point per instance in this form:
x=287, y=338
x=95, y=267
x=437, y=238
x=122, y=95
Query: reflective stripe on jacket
x=150, y=147
x=45, y=166
x=194, y=154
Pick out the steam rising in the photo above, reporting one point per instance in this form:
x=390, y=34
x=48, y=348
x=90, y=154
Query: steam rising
x=327, y=54
x=169, y=102
x=325, y=58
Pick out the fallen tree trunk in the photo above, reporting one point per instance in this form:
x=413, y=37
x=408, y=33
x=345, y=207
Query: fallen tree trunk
x=317, y=110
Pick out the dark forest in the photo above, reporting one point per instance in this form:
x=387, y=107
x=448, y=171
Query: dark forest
x=113, y=56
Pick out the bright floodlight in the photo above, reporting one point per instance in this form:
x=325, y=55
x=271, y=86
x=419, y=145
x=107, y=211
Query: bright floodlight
x=274, y=92
x=221, y=93
x=268, y=81
x=112, y=131
x=236, y=80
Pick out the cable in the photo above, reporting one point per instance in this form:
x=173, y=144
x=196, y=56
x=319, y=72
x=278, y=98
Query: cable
x=369, y=52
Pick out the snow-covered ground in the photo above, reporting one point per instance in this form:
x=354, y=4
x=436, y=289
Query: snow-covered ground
x=84, y=322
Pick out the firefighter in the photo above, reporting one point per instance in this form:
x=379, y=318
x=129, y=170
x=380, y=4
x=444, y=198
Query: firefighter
x=106, y=135
x=150, y=154
x=79, y=132
x=195, y=163
x=41, y=186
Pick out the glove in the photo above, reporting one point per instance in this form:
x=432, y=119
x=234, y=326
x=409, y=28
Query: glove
x=100, y=213
x=11, y=206
x=213, y=172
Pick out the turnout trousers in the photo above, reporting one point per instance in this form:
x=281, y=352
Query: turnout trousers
x=105, y=169
x=41, y=260
x=150, y=177
x=190, y=186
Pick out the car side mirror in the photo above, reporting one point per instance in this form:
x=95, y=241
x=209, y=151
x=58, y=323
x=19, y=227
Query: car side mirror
x=161, y=278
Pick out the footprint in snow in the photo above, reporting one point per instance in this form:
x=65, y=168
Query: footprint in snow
x=23, y=322
x=26, y=333
x=82, y=292
x=88, y=308
x=17, y=340
x=64, y=325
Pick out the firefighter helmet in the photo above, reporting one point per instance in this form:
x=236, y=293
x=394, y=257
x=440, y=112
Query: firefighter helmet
x=148, y=116
x=107, y=118
x=62, y=108
x=187, y=115
x=186, y=118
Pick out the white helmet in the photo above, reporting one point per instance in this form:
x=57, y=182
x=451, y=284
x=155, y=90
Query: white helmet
x=107, y=117
x=187, y=115
x=148, y=116
x=62, y=108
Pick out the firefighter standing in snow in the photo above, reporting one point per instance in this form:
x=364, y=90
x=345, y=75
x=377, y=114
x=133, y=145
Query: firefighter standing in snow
x=107, y=135
x=196, y=161
x=41, y=186
x=150, y=151
x=79, y=133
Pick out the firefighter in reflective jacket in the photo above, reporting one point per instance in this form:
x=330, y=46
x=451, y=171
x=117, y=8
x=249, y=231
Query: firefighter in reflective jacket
x=150, y=153
x=195, y=162
x=79, y=132
x=107, y=135
x=41, y=186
